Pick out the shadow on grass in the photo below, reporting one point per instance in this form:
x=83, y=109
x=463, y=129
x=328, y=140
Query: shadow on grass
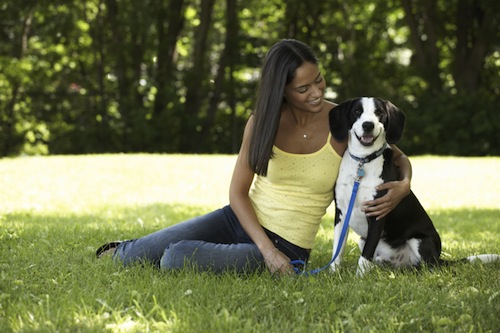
x=463, y=231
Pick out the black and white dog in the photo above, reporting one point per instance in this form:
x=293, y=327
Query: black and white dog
x=406, y=236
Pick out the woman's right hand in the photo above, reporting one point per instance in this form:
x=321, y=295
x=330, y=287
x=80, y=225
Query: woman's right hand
x=278, y=263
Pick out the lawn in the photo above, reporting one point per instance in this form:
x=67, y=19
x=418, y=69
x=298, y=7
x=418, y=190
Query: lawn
x=55, y=211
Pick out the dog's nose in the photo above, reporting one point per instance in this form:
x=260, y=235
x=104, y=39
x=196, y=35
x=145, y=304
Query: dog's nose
x=368, y=126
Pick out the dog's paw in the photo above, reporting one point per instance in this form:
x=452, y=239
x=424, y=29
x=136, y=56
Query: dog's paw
x=334, y=267
x=364, y=266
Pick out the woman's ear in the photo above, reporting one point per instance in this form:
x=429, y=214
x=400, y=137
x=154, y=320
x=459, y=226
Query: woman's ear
x=339, y=121
x=395, y=123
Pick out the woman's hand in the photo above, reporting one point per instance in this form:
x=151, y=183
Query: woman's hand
x=382, y=206
x=278, y=263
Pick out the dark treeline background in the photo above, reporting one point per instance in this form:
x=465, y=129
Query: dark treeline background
x=180, y=75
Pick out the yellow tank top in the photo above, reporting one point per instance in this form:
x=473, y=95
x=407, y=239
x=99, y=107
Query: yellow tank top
x=291, y=200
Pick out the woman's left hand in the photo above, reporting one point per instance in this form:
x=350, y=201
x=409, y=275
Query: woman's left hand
x=382, y=206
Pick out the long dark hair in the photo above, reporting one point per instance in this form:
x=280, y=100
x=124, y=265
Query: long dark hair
x=278, y=70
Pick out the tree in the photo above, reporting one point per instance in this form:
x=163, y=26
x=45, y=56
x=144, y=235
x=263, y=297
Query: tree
x=100, y=76
x=16, y=29
x=452, y=42
x=170, y=20
x=196, y=81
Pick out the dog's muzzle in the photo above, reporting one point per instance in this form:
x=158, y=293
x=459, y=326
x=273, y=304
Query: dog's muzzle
x=368, y=137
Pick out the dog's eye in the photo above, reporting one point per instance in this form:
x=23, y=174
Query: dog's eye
x=378, y=112
x=358, y=112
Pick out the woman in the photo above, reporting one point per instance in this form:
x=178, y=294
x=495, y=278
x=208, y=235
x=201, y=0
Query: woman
x=287, y=145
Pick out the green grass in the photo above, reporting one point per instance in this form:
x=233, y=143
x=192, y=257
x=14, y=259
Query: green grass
x=55, y=211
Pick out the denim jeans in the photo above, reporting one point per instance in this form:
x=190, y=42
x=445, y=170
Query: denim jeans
x=215, y=241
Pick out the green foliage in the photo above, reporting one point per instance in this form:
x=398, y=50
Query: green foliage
x=463, y=125
x=55, y=211
x=180, y=75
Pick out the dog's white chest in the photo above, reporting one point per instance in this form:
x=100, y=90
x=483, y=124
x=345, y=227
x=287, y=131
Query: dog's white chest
x=366, y=190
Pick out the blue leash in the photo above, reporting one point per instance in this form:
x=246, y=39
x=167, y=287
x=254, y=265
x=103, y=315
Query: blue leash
x=345, y=227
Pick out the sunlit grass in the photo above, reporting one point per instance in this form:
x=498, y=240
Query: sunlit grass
x=87, y=183
x=55, y=211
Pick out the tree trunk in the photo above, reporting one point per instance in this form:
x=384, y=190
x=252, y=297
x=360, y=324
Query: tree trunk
x=475, y=27
x=98, y=98
x=227, y=59
x=10, y=120
x=194, y=81
x=424, y=39
x=169, y=24
x=118, y=43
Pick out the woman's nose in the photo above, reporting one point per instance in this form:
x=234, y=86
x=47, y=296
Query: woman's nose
x=317, y=90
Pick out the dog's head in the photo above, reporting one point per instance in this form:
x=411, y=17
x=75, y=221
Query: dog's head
x=370, y=121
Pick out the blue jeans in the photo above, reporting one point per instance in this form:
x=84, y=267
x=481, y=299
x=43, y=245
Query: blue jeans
x=215, y=241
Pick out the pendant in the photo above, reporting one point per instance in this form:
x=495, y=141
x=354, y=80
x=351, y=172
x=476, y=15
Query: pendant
x=361, y=172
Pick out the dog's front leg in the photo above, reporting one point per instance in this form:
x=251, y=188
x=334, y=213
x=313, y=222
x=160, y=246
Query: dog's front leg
x=365, y=262
x=336, y=241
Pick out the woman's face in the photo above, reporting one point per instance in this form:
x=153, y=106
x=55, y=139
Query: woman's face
x=307, y=89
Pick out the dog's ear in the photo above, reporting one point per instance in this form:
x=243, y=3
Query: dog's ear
x=395, y=123
x=339, y=120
